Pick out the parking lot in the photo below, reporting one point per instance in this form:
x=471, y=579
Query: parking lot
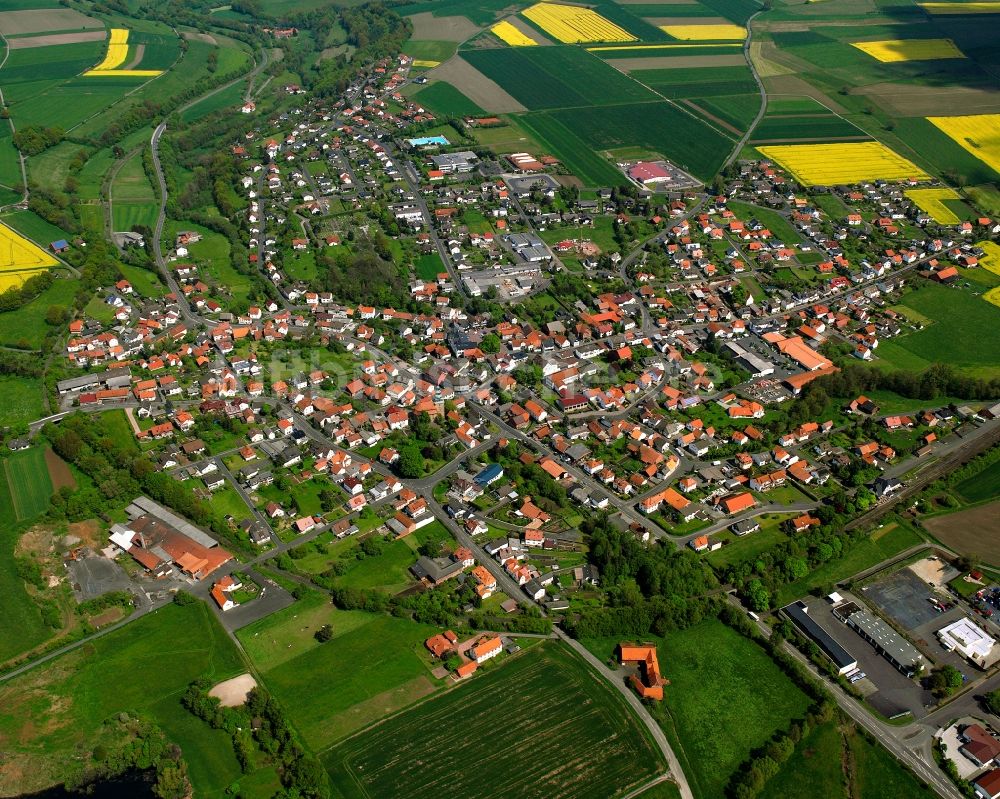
x=905, y=598
x=886, y=689
x=910, y=603
x=93, y=575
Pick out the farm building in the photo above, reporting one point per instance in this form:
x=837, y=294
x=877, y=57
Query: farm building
x=162, y=542
x=648, y=681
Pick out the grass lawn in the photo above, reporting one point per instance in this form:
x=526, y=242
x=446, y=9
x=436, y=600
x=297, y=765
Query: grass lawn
x=780, y=227
x=144, y=281
x=891, y=539
x=374, y=666
x=879, y=774
x=816, y=763
x=49, y=715
x=748, y=547
x=29, y=483
x=428, y=266
x=960, y=333
x=22, y=627
x=567, y=734
x=723, y=683
x=983, y=486
x=26, y=325
x=22, y=400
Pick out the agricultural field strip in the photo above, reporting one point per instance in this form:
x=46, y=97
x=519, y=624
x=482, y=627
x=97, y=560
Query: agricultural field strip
x=698, y=33
x=573, y=24
x=511, y=35
x=853, y=162
x=890, y=51
x=929, y=201
x=116, y=55
x=387, y=758
x=978, y=134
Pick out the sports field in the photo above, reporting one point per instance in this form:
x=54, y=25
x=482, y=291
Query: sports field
x=978, y=134
x=575, y=24
x=849, y=162
x=893, y=50
x=20, y=258
x=931, y=201
x=564, y=733
x=508, y=34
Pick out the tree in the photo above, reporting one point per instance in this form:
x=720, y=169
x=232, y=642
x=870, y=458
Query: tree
x=945, y=680
x=324, y=633
x=757, y=595
x=411, y=463
x=490, y=343
x=992, y=700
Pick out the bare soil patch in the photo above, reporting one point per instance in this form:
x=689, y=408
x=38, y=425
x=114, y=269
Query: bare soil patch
x=233, y=693
x=13, y=23
x=973, y=532
x=442, y=29
x=678, y=62
x=202, y=37
x=51, y=39
x=110, y=616
x=37, y=541
x=86, y=532
x=59, y=471
x=484, y=92
x=925, y=101
x=140, y=51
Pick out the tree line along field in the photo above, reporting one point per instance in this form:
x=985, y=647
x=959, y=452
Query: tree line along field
x=50, y=715
x=726, y=697
x=567, y=734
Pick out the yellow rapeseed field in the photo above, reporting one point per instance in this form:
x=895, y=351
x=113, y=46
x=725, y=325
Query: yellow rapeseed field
x=115, y=57
x=20, y=258
x=511, y=35
x=892, y=50
x=720, y=32
x=574, y=24
x=978, y=133
x=989, y=7
x=117, y=50
x=990, y=261
x=993, y=296
x=425, y=63
x=658, y=47
x=845, y=163
x=929, y=200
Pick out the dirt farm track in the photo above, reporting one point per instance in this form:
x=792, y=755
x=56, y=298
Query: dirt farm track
x=972, y=532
